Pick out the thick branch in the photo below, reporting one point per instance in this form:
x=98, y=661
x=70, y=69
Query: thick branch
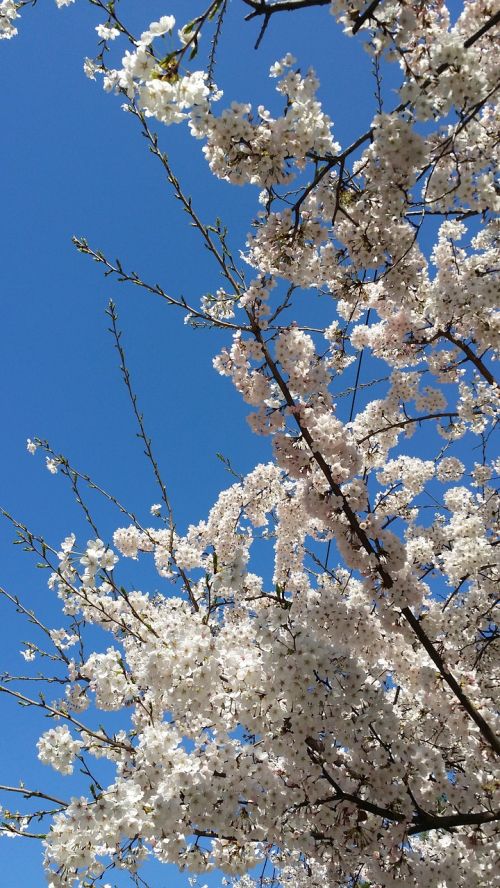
x=364, y=16
x=260, y=7
x=363, y=804
x=487, y=732
x=421, y=822
x=471, y=355
x=494, y=20
x=426, y=822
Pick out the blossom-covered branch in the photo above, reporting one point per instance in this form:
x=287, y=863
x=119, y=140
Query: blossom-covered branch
x=328, y=715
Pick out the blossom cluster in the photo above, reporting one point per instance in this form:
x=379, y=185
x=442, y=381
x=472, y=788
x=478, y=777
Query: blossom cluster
x=8, y=14
x=261, y=150
x=58, y=748
x=156, y=85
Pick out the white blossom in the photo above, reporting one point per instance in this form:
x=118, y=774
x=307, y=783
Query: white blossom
x=58, y=748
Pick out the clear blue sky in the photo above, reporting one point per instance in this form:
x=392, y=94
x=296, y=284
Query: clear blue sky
x=74, y=163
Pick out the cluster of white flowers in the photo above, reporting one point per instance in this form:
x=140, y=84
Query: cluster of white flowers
x=450, y=469
x=107, y=32
x=58, y=748
x=261, y=150
x=107, y=679
x=8, y=14
x=157, y=86
x=62, y=639
x=97, y=557
x=219, y=307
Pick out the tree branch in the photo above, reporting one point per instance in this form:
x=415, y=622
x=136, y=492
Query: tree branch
x=471, y=355
x=487, y=732
x=261, y=7
x=364, y=16
x=33, y=794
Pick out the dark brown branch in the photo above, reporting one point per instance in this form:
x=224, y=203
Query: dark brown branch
x=471, y=355
x=426, y=822
x=260, y=7
x=362, y=18
x=363, y=804
x=263, y=8
x=494, y=20
x=421, y=822
x=451, y=681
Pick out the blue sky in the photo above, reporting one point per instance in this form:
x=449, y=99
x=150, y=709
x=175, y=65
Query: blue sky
x=74, y=164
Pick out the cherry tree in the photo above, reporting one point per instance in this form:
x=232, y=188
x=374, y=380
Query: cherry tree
x=334, y=724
